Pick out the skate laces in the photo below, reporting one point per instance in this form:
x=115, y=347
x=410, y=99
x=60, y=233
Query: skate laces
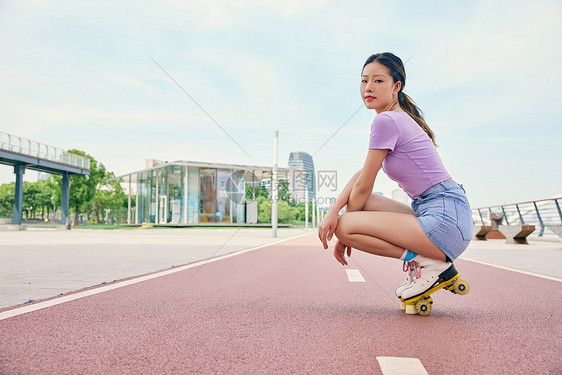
x=413, y=268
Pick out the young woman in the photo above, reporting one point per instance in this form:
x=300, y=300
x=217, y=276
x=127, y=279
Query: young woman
x=437, y=228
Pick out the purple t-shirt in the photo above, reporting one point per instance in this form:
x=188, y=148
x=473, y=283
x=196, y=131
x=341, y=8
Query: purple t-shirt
x=413, y=160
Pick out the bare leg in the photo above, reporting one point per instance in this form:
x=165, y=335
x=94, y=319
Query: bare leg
x=379, y=203
x=385, y=233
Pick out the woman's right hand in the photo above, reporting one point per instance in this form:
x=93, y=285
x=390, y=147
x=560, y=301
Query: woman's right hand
x=327, y=227
x=339, y=252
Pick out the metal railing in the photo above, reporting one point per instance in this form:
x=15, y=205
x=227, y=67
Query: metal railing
x=541, y=213
x=13, y=143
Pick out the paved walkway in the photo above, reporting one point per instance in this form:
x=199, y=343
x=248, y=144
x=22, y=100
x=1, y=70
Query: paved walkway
x=286, y=308
x=541, y=257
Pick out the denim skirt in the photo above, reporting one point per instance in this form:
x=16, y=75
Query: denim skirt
x=445, y=216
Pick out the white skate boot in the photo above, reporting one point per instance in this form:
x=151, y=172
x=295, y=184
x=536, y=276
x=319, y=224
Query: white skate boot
x=429, y=276
x=411, y=269
x=432, y=273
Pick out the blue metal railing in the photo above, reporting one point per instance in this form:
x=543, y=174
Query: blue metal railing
x=541, y=213
x=13, y=143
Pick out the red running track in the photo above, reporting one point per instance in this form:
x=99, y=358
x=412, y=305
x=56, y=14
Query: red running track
x=290, y=309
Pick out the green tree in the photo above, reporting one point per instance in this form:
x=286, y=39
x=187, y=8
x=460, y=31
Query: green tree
x=30, y=193
x=109, y=195
x=264, y=209
x=120, y=213
x=7, y=194
x=54, y=182
x=283, y=191
x=288, y=212
x=37, y=195
x=82, y=188
x=260, y=191
x=44, y=198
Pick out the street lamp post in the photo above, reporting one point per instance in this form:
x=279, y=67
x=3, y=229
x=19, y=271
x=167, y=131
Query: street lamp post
x=274, y=186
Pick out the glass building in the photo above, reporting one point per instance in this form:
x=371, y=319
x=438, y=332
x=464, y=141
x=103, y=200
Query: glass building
x=185, y=192
x=302, y=176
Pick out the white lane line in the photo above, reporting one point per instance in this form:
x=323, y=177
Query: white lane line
x=399, y=366
x=553, y=278
x=354, y=276
x=91, y=292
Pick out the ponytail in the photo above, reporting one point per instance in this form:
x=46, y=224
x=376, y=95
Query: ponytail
x=408, y=105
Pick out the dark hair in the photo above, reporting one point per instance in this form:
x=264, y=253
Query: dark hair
x=398, y=73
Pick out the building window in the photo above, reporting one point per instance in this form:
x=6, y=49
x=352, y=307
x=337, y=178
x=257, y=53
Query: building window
x=193, y=199
x=208, y=195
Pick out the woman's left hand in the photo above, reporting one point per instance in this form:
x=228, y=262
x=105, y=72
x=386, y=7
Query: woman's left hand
x=339, y=252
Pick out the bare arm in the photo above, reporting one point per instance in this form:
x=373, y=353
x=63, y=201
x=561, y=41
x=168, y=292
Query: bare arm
x=363, y=186
x=343, y=198
x=327, y=227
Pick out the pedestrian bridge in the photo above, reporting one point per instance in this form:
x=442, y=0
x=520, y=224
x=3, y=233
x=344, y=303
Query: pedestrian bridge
x=22, y=154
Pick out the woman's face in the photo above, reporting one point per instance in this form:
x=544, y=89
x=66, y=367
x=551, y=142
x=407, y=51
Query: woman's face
x=377, y=87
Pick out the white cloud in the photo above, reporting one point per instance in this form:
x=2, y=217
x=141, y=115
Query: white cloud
x=507, y=62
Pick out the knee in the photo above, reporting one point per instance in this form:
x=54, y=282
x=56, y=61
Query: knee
x=343, y=228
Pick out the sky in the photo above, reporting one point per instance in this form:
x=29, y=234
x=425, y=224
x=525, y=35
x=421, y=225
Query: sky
x=104, y=77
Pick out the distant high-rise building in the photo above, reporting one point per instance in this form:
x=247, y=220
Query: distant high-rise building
x=303, y=176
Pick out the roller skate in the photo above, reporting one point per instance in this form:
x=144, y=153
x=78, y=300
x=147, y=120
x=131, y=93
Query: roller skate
x=433, y=275
x=410, y=268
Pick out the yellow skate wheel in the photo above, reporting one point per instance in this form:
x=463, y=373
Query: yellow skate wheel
x=402, y=305
x=423, y=307
x=411, y=309
x=461, y=287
